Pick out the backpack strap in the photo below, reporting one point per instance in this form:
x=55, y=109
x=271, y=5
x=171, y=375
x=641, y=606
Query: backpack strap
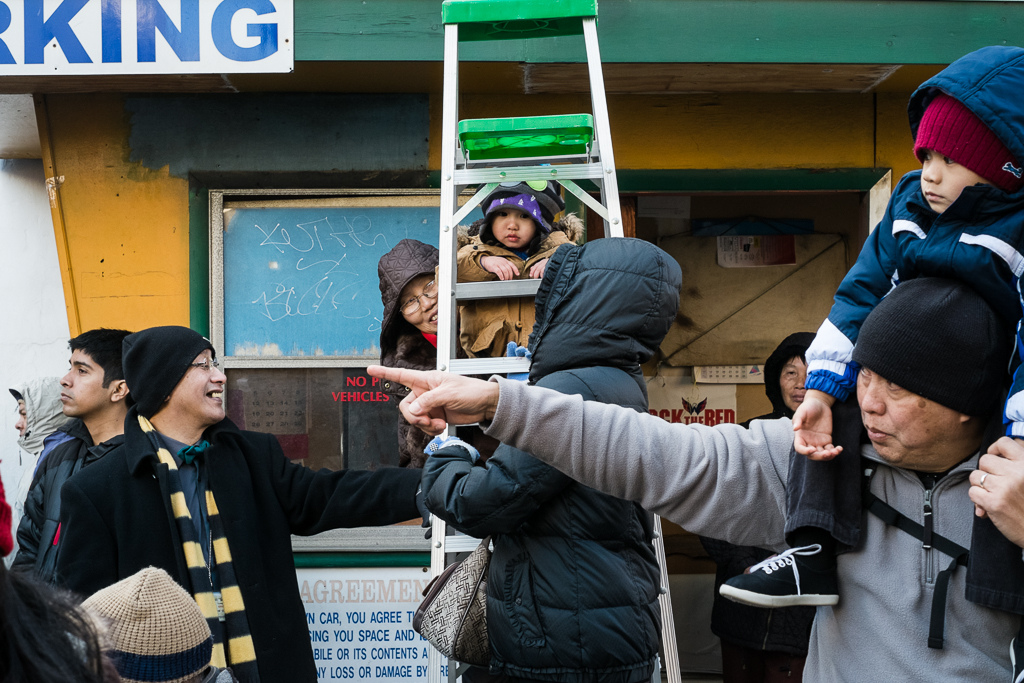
x=892, y=517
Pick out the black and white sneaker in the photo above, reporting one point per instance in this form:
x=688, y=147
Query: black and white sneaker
x=784, y=580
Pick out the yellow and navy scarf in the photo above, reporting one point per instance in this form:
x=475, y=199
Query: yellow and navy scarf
x=232, y=642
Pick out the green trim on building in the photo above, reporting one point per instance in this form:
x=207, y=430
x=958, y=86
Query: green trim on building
x=320, y=560
x=758, y=31
x=199, y=259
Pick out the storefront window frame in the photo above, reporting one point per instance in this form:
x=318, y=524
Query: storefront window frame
x=361, y=540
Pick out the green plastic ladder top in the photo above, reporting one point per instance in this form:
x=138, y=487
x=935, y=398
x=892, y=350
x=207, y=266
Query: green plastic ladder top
x=517, y=19
x=526, y=136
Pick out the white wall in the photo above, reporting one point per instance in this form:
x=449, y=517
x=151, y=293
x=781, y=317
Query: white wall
x=33, y=320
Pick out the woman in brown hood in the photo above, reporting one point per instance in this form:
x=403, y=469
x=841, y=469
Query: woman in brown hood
x=408, y=332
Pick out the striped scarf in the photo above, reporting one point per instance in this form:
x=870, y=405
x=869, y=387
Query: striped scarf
x=239, y=652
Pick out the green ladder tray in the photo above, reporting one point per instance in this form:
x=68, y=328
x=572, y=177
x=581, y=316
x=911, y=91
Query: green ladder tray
x=516, y=19
x=526, y=136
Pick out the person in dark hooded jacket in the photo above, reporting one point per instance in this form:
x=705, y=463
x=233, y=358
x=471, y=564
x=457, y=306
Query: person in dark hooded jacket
x=761, y=644
x=573, y=584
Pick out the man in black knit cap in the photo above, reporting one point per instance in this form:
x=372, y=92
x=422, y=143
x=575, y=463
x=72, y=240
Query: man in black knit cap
x=214, y=506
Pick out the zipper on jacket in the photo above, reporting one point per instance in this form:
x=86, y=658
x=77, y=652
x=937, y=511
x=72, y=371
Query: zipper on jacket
x=928, y=528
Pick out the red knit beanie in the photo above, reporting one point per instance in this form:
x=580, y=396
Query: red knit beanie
x=951, y=129
x=6, y=538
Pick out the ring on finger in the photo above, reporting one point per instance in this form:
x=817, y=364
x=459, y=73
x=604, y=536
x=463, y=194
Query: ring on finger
x=982, y=482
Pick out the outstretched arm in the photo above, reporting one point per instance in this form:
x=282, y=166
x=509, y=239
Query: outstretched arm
x=699, y=477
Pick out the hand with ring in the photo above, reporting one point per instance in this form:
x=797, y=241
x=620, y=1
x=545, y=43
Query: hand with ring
x=997, y=487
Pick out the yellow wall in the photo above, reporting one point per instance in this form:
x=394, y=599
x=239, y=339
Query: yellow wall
x=895, y=144
x=734, y=131
x=126, y=260
x=125, y=227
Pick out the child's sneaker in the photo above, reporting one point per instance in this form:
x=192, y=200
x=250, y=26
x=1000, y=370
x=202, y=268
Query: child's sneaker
x=784, y=580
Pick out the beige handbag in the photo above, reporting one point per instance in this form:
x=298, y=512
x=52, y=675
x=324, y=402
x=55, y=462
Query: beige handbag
x=453, y=614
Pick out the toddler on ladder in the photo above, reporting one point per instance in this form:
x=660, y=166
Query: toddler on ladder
x=516, y=237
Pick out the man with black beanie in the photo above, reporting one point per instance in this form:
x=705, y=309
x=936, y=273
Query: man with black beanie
x=214, y=506
x=929, y=590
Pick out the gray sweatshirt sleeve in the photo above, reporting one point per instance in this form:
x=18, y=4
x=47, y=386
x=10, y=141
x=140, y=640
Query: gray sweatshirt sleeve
x=724, y=481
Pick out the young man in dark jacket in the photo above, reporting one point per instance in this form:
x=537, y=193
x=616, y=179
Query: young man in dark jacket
x=215, y=507
x=573, y=585
x=93, y=392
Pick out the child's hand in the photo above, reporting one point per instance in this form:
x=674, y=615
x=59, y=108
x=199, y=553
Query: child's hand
x=537, y=269
x=501, y=267
x=812, y=423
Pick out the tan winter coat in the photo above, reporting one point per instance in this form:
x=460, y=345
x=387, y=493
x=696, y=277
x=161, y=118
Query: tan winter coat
x=488, y=325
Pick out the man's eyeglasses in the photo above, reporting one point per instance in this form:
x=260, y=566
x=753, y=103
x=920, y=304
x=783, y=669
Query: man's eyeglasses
x=206, y=365
x=421, y=301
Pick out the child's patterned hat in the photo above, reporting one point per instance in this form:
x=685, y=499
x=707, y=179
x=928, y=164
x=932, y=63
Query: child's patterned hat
x=521, y=202
x=544, y=193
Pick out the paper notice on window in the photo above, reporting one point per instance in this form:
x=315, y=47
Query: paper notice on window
x=755, y=251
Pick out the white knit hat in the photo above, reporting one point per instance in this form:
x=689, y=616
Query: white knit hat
x=156, y=630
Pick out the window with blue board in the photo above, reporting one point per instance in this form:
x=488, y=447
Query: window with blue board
x=296, y=315
x=300, y=276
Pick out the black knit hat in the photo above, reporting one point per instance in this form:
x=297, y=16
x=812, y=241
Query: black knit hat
x=154, y=362
x=939, y=339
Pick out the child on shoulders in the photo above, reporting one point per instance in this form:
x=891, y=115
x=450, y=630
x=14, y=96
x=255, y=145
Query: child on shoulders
x=961, y=216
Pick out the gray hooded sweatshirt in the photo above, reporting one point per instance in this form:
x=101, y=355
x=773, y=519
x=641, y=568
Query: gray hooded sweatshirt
x=730, y=483
x=45, y=415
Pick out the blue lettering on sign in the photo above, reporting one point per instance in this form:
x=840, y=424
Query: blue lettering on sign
x=152, y=18
x=110, y=27
x=221, y=27
x=5, y=23
x=39, y=33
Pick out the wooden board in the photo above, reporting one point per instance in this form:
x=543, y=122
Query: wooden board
x=735, y=316
x=652, y=79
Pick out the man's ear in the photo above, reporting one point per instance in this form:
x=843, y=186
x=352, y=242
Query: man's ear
x=120, y=391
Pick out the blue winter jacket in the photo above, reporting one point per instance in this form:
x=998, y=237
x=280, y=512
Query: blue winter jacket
x=979, y=239
x=573, y=585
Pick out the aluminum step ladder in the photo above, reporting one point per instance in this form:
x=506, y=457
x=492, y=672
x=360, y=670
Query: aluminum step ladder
x=483, y=153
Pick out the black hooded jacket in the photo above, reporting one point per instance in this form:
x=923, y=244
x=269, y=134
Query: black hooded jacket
x=795, y=344
x=572, y=591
